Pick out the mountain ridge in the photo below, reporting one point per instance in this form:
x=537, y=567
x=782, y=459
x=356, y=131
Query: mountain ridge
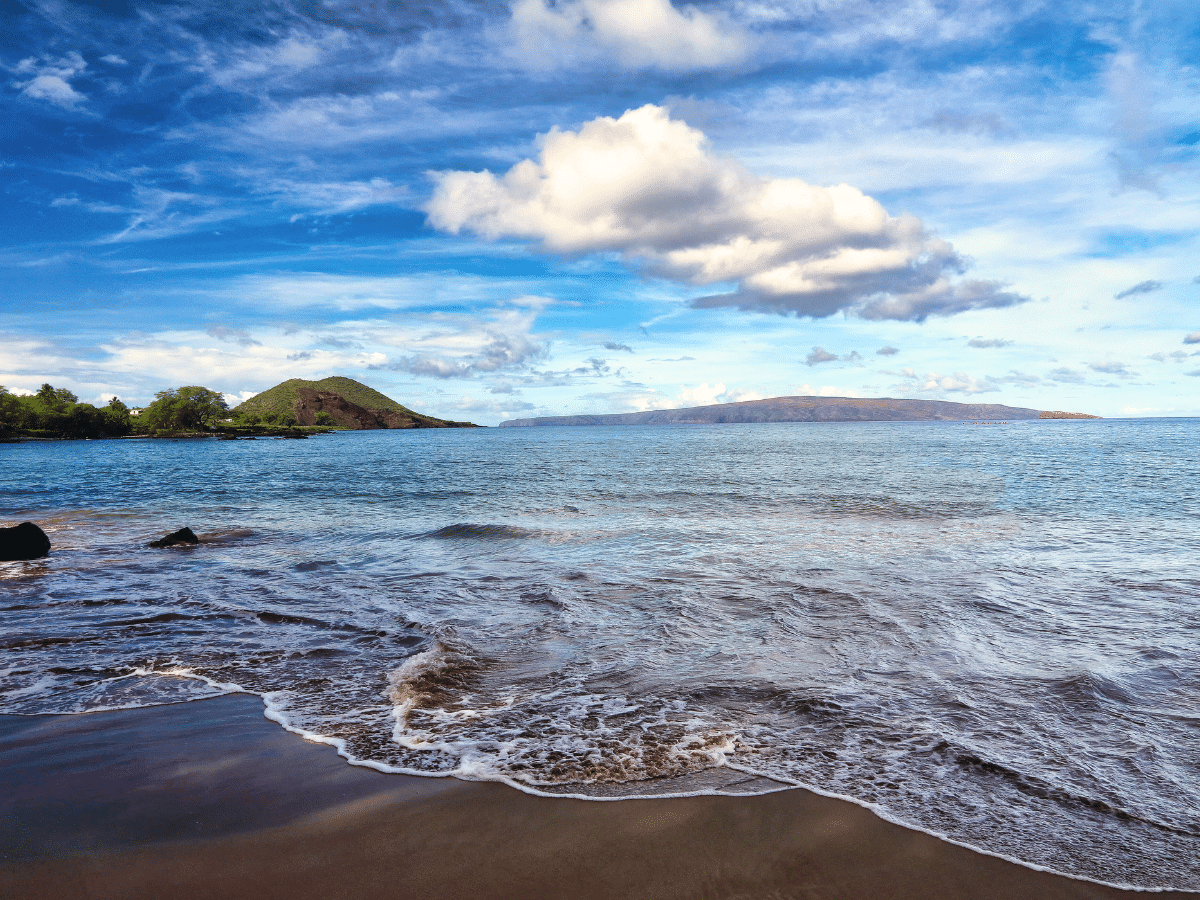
x=807, y=409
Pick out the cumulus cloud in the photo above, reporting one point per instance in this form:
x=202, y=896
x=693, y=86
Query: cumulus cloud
x=934, y=383
x=987, y=343
x=1193, y=338
x=1142, y=287
x=1111, y=368
x=238, y=398
x=502, y=352
x=649, y=187
x=887, y=351
x=612, y=345
x=238, y=336
x=637, y=34
x=52, y=79
x=706, y=395
x=504, y=344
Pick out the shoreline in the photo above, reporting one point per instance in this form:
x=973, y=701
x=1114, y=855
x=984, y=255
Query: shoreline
x=210, y=799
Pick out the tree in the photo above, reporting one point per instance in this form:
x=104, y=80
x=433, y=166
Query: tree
x=325, y=419
x=10, y=411
x=55, y=399
x=191, y=408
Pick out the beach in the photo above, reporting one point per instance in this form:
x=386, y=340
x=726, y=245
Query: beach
x=917, y=618
x=209, y=799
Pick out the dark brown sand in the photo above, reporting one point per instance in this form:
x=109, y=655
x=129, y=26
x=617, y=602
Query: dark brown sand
x=210, y=800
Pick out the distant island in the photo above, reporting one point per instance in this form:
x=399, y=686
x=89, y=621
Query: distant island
x=809, y=409
x=336, y=401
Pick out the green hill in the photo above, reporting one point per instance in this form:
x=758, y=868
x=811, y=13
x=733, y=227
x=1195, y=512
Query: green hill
x=349, y=403
x=282, y=398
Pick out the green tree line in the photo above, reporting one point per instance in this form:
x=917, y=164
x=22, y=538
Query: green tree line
x=56, y=412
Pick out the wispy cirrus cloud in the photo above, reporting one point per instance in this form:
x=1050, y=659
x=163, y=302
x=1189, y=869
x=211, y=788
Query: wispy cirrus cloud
x=630, y=33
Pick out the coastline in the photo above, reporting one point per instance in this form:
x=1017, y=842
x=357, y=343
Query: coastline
x=210, y=799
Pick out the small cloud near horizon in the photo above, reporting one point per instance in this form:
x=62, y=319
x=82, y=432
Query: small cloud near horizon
x=1193, y=338
x=1111, y=368
x=1142, y=287
x=986, y=343
x=887, y=351
x=239, y=336
x=821, y=355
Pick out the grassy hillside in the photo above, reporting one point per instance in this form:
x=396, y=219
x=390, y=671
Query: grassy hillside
x=281, y=399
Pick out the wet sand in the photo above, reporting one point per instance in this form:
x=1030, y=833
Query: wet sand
x=210, y=800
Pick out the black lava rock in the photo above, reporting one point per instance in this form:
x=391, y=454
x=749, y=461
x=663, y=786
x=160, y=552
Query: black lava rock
x=24, y=541
x=182, y=536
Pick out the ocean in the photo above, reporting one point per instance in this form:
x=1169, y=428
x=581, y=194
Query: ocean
x=987, y=632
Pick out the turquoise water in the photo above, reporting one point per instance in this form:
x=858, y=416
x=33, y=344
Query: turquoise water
x=986, y=632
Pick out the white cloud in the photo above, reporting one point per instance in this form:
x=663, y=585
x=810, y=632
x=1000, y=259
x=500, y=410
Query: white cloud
x=326, y=197
x=238, y=336
x=51, y=81
x=1193, y=338
x=466, y=346
x=934, y=383
x=254, y=63
x=1066, y=375
x=650, y=188
x=239, y=398
x=819, y=355
x=503, y=408
x=825, y=390
x=706, y=395
x=635, y=33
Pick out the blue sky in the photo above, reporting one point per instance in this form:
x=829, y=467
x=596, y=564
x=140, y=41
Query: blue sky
x=501, y=209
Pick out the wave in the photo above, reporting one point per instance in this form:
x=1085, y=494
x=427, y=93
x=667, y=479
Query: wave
x=478, y=532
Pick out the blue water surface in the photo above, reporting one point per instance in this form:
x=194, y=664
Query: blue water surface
x=990, y=632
